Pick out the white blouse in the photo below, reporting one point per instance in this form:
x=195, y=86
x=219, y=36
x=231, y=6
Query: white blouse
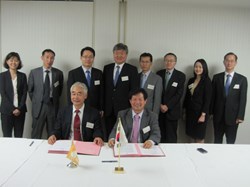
x=15, y=100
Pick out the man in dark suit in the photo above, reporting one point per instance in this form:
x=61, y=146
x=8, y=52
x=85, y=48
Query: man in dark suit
x=90, y=76
x=146, y=130
x=45, y=86
x=119, y=79
x=173, y=86
x=78, y=121
x=151, y=83
x=228, y=100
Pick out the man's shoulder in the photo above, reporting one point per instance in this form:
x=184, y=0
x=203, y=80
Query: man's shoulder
x=78, y=69
x=57, y=70
x=179, y=73
x=96, y=70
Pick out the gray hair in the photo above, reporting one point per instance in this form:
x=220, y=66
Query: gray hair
x=121, y=46
x=81, y=85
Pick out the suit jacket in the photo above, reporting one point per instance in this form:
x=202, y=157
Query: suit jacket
x=35, y=88
x=153, y=87
x=90, y=115
x=149, y=119
x=7, y=93
x=172, y=95
x=95, y=91
x=116, y=97
x=201, y=98
x=233, y=106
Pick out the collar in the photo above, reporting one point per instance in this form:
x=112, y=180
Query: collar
x=80, y=109
x=140, y=114
x=85, y=69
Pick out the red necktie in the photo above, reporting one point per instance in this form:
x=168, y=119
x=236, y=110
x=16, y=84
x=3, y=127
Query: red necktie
x=77, y=133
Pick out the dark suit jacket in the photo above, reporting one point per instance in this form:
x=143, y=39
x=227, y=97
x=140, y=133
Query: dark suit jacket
x=201, y=98
x=7, y=92
x=95, y=91
x=233, y=106
x=149, y=121
x=35, y=88
x=116, y=97
x=172, y=96
x=64, y=120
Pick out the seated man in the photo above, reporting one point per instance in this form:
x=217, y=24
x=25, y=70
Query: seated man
x=78, y=121
x=140, y=124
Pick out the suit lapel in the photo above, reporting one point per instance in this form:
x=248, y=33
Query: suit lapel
x=68, y=121
x=144, y=122
x=129, y=121
x=233, y=82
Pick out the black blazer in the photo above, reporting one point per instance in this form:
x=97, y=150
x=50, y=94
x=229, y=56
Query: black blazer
x=116, y=97
x=233, y=106
x=95, y=91
x=7, y=92
x=201, y=98
x=172, y=96
x=64, y=120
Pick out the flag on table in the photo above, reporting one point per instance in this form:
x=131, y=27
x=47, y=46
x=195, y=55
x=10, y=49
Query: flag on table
x=72, y=154
x=120, y=137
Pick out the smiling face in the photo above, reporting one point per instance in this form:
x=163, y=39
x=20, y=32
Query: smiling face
x=78, y=96
x=230, y=63
x=198, y=69
x=87, y=59
x=120, y=56
x=13, y=63
x=48, y=59
x=137, y=102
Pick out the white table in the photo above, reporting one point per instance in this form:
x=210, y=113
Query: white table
x=222, y=166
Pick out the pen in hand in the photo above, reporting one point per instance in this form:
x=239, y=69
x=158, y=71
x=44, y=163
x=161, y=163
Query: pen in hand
x=31, y=143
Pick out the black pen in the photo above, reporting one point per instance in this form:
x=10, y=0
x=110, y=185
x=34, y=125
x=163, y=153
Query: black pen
x=109, y=161
x=31, y=143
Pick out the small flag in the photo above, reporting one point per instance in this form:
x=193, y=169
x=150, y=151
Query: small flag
x=120, y=134
x=72, y=154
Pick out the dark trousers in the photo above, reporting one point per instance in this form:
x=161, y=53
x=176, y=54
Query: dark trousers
x=168, y=129
x=47, y=115
x=10, y=122
x=229, y=130
x=109, y=124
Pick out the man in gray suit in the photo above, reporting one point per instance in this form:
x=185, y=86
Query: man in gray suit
x=229, y=100
x=151, y=83
x=45, y=86
x=140, y=124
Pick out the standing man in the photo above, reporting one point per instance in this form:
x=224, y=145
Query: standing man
x=78, y=121
x=119, y=79
x=90, y=76
x=151, y=83
x=45, y=86
x=228, y=100
x=173, y=86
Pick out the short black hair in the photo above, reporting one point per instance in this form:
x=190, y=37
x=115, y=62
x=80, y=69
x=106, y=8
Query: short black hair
x=147, y=55
x=204, y=67
x=13, y=55
x=172, y=54
x=88, y=49
x=137, y=91
x=231, y=53
x=120, y=46
x=48, y=51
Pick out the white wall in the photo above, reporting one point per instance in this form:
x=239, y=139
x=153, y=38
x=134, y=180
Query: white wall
x=191, y=30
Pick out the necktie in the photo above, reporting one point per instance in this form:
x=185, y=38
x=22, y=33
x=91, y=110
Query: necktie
x=46, y=90
x=227, y=85
x=143, y=79
x=88, y=77
x=77, y=133
x=136, y=128
x=166, y=79
x=116, y=74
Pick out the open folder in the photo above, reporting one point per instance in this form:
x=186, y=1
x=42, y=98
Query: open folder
x=86, y=148
x=137, y=150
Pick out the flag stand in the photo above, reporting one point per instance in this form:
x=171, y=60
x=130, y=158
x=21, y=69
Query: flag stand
x=71, y=165
x=119, y=169
x=72, y=155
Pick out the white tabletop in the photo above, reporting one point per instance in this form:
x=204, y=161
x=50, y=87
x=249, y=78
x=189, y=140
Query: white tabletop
x=223, y=165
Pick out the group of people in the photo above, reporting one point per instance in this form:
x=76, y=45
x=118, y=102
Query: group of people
x=148, y=104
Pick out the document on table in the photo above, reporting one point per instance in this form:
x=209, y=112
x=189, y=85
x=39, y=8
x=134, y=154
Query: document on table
x=86, y=148
x=137, y=150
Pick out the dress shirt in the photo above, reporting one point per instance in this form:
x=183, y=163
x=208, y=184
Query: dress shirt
x=121, y=65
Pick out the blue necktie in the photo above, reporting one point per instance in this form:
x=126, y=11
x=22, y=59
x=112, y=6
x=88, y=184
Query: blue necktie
x=227, y=85
x=143, y=79
x=116, y=75
x=88, y=77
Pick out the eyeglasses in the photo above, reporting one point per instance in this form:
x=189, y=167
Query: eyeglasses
x=87, y=57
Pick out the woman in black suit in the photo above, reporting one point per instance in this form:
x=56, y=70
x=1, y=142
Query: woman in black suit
x=13, y=89
x=197, y=102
